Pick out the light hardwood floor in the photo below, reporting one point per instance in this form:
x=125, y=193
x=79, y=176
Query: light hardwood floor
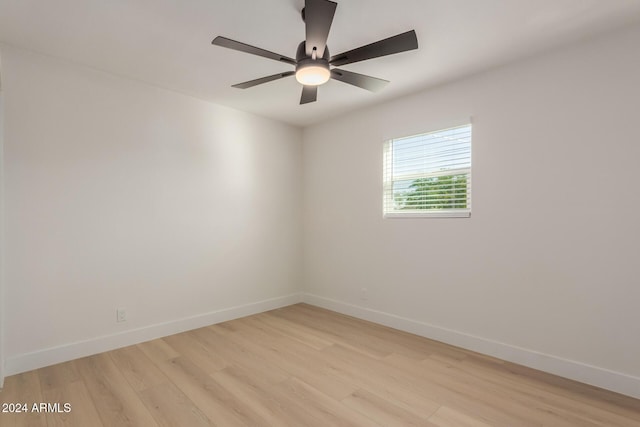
x=305, y=366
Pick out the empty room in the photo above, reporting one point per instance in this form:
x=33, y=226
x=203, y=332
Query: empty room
x=319, y=213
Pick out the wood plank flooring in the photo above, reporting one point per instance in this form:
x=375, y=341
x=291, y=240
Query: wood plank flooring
x=305, y=366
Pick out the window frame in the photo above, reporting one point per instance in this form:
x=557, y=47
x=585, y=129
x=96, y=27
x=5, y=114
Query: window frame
x=388, y=180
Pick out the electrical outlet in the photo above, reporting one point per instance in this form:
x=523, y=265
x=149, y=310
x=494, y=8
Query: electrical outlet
x=121, y=315
x=364, y=294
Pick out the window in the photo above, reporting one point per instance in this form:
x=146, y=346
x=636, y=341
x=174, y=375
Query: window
x=428, y=175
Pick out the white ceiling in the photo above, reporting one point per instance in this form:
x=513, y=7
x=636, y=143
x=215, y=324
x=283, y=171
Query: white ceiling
x=167, y=43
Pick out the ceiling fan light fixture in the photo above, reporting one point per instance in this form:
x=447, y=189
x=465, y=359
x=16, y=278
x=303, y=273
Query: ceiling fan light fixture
x=313, y=73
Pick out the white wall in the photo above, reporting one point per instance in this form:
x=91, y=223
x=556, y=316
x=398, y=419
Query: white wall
x=545, y=272
x=120, y=194
x=2, y=305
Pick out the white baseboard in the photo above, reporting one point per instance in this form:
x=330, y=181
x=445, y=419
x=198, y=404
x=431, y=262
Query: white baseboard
x=599, y=377
x=51, y=356
x=615, y=381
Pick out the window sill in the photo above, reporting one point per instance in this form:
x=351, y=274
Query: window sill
x=439, y=214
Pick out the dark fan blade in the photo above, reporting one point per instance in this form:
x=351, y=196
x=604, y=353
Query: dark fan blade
x=365, y=82
x=252, y=83
x=243, y=47
x=318, y=16
x=396, y=44
x=309, y=94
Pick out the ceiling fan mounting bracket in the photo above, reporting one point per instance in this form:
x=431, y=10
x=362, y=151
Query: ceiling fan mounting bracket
x=301, y=53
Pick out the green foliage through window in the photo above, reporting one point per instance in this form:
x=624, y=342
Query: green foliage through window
x=441, y=192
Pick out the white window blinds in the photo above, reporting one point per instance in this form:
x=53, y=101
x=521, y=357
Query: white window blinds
x=429, y=174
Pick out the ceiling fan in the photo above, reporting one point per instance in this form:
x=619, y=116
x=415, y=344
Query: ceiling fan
x=313, y=63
